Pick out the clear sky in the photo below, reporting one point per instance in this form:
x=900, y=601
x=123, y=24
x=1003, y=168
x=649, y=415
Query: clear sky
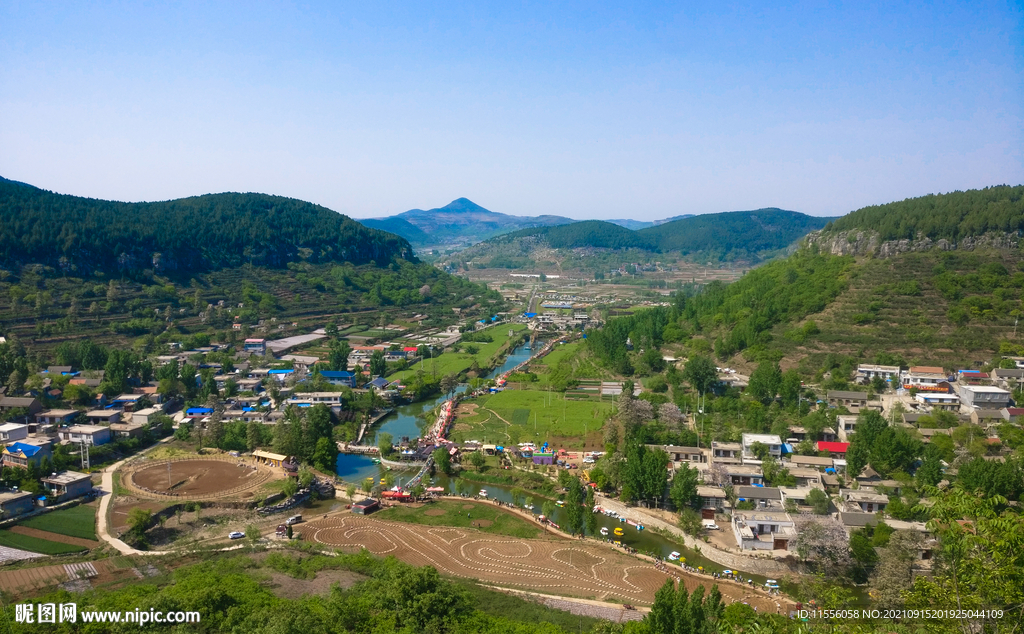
x=584, y=110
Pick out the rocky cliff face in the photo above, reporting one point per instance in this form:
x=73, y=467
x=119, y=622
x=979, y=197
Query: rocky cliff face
x=861, y=242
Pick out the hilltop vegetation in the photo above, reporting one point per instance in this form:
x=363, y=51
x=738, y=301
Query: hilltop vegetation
x=952, y=216
x=84, y=236
x=751, y=236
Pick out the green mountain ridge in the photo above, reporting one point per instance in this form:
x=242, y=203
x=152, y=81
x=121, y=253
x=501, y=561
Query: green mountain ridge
x=200, y=233
x=738, y=235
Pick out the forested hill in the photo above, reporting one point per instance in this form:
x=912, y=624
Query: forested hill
x=587, y=233
x=734, y=234
x=202, y=233
x=952, y=216
x=748, y=235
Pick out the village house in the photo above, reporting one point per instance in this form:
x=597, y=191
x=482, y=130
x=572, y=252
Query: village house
x=762, y=497
x=27, y=405
x=763, y=530
x=863, y=501
x=692, y=455
x=927, y=434
x=712, y=500
x=926, y=378
x=67, y=485
x=935, y=401
x=343, y=378
x=987, y=417
x=983, y=396
x=806, y=477
x=1012, y=414
x=56, y=417
x=846, y=425
x=145, y=416
x=812, y=462
x=799, y=434
x=852, y=401
x=103, y=416
x=126, y=430
x=15, y=503
x=726, y=452
x=22, y=454
x=835, y=449
x=301, y=362
x=331, y=399
x=10, y=432
x=255, y=346
x=974, y=377
x=772, y=442
x=867, y=372
x=88, y=434
x=797, y=495
x=745, y=474
x=245, y=416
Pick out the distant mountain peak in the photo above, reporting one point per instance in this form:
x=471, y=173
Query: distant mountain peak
x=463, y=204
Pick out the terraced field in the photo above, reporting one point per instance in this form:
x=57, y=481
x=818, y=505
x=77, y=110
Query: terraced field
x=553, y=566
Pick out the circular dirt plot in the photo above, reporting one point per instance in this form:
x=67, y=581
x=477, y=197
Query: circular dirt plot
x=197, y=478
x=481, y=523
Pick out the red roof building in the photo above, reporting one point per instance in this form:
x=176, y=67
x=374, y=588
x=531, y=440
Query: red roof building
x=833, y=447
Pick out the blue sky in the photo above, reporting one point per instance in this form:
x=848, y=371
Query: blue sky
x=584, y=110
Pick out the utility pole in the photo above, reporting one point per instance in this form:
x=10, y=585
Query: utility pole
x=84, y=454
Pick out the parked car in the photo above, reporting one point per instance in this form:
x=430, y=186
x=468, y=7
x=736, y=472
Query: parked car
x=235, y=535
x=294, y=519
x=711, y=526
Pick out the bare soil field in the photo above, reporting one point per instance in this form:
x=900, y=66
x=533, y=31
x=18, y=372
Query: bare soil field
x=556, y=566
x=195, y=478
x=287, y=587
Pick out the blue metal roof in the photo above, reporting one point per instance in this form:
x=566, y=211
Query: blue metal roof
x=335, y=374
x=20, y=447
x=192, y=411
x=280, y=371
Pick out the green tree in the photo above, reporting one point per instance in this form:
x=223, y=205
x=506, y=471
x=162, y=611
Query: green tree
x=789, y=388
x=683, y=492
x=442, y=460
x=819, y=501
x=700, y=372
x=253, y=435
x=337, y=357
x=378, y=367
x=574, y=511
x=385, y=443
x=690, y=521
x=139, y=520
x=765, y=381
x=350, y=492
x=325, y=456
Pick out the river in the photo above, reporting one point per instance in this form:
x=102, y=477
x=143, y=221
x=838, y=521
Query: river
x=409, y=420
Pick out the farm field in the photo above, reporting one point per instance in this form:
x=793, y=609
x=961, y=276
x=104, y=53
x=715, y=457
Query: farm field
x=565, y=361
x=456, y=362
x=460, y=514
x=78, y=521
x=36, y=545
x=536, y=415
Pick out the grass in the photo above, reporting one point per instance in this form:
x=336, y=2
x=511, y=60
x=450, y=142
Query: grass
x=554, y=414
x=77, y=521
x=457, y=362
x=502, y=523
x=498, y=603
x=36, y=545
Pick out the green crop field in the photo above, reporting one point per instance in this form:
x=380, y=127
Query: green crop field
x=77, y=521
x=571, y=359
x=36, y=545
x=534, y=414
x=456, y=362
x=495, y=520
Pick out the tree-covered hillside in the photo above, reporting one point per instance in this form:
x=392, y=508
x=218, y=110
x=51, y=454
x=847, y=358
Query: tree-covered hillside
x=202, y=233
x=735, y=234
x=588, y=233
x=950, y=216
x=738, y=235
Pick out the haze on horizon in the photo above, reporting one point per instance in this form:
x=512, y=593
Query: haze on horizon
x=644, y=112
